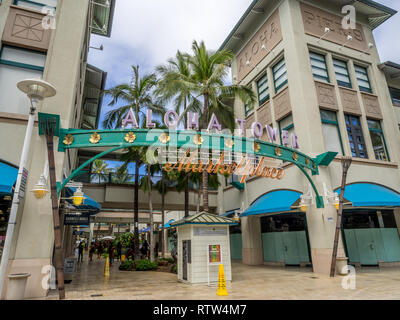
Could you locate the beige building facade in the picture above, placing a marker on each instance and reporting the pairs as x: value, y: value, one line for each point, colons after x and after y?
x: 327, y: 85
x: 47, y: 39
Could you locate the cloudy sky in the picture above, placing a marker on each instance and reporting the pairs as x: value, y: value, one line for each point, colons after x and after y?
x: 149, y: 32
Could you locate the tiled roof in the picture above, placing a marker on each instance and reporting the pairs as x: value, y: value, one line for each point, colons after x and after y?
x: 204, y: 218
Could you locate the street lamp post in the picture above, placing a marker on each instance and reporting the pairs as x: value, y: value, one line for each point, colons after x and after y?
x: 346, y: 162
x: 48, y: 127
x: 36, y: 90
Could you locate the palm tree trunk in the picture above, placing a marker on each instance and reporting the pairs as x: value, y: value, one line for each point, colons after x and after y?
x: 187, y: 196
x: 151, y: 216
x: 205, y: 182
x: 136, y: 212
x: 162, y: 215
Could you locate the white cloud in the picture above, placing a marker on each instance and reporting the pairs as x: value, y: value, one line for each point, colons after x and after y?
x: 149, y: 32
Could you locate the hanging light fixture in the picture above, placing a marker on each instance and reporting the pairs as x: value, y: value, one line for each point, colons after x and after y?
x: 336, y: 202
x: 236, y: 217
x: 78, y: 197
x: 303, y: 205
x: 40, y: 189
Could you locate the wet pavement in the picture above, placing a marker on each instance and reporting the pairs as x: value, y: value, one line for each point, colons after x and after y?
x: 249, y: 282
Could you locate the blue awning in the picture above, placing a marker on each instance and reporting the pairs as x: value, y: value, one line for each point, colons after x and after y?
x: 370, y: 195
x: 275, y: 201
x: 89, y: 204
x: 144, y: 230
x: 8, y: 176
x: 168, y: 224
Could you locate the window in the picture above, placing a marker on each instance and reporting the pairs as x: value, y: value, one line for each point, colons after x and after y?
x: 280, y: 77
x: 363, y: 79
x: 318, y: 66
x: 395, y: 94
x: 15, y: 65
x: 263, y: 89
x: 286, y: 124
x: 330, y: 130
x: 378, y: 140
x: 356, y: 138
x: 342, y: 73
x: 247, y: 109
x: 36, y: 4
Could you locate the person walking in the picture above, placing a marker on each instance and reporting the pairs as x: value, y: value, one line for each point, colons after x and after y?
x: 91, y: 252
x: 145, y: 248
x: 80, y: 252
x: 111, y: 253
x: 100, y: 250
x: 119, y: 250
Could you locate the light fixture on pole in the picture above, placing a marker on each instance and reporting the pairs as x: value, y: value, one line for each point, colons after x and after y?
x: 306, y: 199
x: 40, y: 189
x: 331, y: 197
x: 36, y: 90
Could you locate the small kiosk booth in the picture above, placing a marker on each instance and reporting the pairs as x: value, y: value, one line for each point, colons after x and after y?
x: 203, y: 244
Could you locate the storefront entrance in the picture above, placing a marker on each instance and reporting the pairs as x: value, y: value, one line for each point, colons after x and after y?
x: 285, y: 239
x: 235, y: 237
x: 371, y: 236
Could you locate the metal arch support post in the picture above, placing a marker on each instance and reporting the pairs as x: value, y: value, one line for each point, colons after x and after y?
x: 77, y: 171
x: 318, y: 199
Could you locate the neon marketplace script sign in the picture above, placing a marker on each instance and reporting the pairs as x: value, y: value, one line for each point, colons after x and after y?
x: 225, y: 162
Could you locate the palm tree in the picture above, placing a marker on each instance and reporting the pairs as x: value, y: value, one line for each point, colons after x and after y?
x: 146, y: 186
x: 138, y: 95
x: 209, y: 71
x: 100, y: 169
x: 121, y: 175
x: 172, y: 86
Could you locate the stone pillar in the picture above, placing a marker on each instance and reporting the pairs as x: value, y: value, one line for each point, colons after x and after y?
x: 91, y: 228
x: 252, y: 251
x: 397, y: 218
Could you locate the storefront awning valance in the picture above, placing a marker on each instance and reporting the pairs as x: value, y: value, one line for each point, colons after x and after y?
x: 275, y: 201
x: 8, y: 176
x: 89, y: 205
x: 370, y: 195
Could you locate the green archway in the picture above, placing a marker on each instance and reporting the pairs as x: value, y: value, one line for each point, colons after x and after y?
x: 123, y: 138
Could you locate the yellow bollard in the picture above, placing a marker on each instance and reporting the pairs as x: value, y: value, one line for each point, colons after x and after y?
x: 221, y: 282
x: 107, y: 268
x: 123, y: 258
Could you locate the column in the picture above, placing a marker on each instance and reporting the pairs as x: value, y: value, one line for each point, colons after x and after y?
x: 252, y: 252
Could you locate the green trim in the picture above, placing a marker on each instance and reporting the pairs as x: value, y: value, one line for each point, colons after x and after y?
x: 20, y: 64
x: 79, y: 170
x: 380, y: 131
x: 335, y: 123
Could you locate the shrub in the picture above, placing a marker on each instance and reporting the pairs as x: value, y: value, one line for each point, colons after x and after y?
x: 169, y: 260
x: 127, y: 265
x: 144, y: 265
x: 175, y: 269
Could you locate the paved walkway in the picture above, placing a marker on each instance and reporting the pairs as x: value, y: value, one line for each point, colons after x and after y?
x: 249, y: 282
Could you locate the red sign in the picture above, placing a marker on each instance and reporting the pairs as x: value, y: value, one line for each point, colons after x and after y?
x: 214, y: 253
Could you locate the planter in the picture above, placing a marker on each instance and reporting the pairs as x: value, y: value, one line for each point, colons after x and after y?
x: 340, y: 264
x: 16, y: 286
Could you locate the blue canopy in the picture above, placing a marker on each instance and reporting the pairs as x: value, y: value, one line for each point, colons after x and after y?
x: 275, y: 201
x: 8, y: 176
x: 88, y: 204
x: 370, y: 195
x: 168, y: 224
x: 144, y: 230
